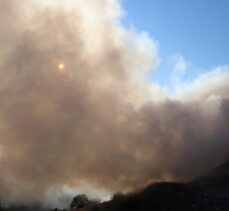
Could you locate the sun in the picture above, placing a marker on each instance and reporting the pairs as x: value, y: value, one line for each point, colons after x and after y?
x: 61, y: 66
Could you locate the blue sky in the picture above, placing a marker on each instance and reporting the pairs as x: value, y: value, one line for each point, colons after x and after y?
x: 196, y: 31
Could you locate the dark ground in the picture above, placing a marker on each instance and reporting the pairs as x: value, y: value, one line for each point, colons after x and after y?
x: 208, y: 193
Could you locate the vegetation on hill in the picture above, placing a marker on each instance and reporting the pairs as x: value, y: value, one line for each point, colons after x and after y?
x: 208, y: 193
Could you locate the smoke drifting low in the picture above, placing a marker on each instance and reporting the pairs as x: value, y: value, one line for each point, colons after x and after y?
x: 95, y: 121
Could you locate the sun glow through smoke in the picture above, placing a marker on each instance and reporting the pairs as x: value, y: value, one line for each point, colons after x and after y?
x: 61, y: 66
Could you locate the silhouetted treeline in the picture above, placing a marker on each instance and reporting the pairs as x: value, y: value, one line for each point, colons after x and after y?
x: 78, y: 202
x: 208, y: 193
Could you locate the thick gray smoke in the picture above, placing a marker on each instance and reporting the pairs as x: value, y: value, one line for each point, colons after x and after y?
x: 94, y: 120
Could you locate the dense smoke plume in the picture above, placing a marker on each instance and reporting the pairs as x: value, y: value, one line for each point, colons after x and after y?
x: 96, y: 121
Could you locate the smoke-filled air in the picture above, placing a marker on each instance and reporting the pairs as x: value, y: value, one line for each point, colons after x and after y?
x: 76, y: 108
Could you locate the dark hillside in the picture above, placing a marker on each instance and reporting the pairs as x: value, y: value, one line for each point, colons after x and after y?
x: 208, y: 193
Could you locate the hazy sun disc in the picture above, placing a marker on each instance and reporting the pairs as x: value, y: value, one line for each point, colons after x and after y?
x: 61, y: 66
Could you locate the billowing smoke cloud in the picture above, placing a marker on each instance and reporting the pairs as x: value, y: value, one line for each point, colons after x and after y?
x: 95, y: 121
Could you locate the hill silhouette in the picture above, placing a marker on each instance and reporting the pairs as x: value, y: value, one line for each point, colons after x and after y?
x: 207, y: 193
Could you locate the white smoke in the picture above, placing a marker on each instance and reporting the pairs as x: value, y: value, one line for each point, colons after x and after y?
x: 96, y: 121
